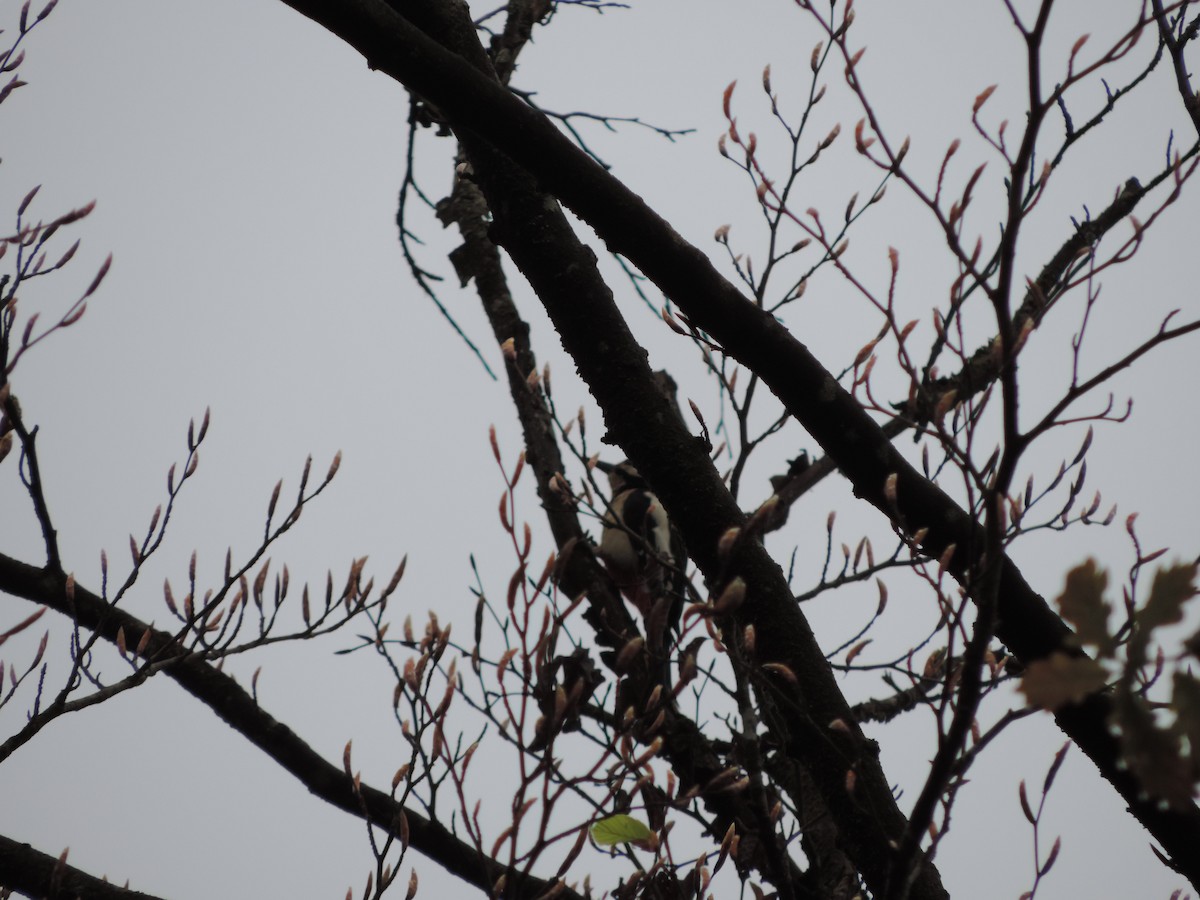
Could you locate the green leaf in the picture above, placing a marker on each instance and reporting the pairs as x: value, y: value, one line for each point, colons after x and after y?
x: 1083, y: 605
x: 621, y: 829
x: 1060, y: 679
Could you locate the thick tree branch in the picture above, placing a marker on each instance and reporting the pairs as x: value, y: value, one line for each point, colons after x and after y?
x: 690, y: 753
x: 225, y: 697
x: 692, y: 756
x: 476, y: 106
x: 36, y: 874
x: 564, y: 275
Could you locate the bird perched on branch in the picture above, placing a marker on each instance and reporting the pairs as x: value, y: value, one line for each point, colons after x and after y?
x: 644, y: 552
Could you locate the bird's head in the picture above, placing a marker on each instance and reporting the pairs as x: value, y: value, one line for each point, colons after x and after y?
x: 622, y: 476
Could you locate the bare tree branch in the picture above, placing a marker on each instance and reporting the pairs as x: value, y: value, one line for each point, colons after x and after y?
x: 37, y: 874
x: 225, y: 697
x: 475, y: 106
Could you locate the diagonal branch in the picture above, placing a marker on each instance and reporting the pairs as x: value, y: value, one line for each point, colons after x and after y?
x: 37, y: 874
x: 225, y: 697
x: 691, y: 754
x: 982, y: 367
x: 475, y: 106
x: 816, y: 728
x: 1175, y: 45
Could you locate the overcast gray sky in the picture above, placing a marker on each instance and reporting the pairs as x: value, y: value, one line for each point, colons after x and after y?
x: 246, y: 165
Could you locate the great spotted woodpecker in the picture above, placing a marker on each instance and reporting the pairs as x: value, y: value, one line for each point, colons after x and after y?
x: 644, y: 552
